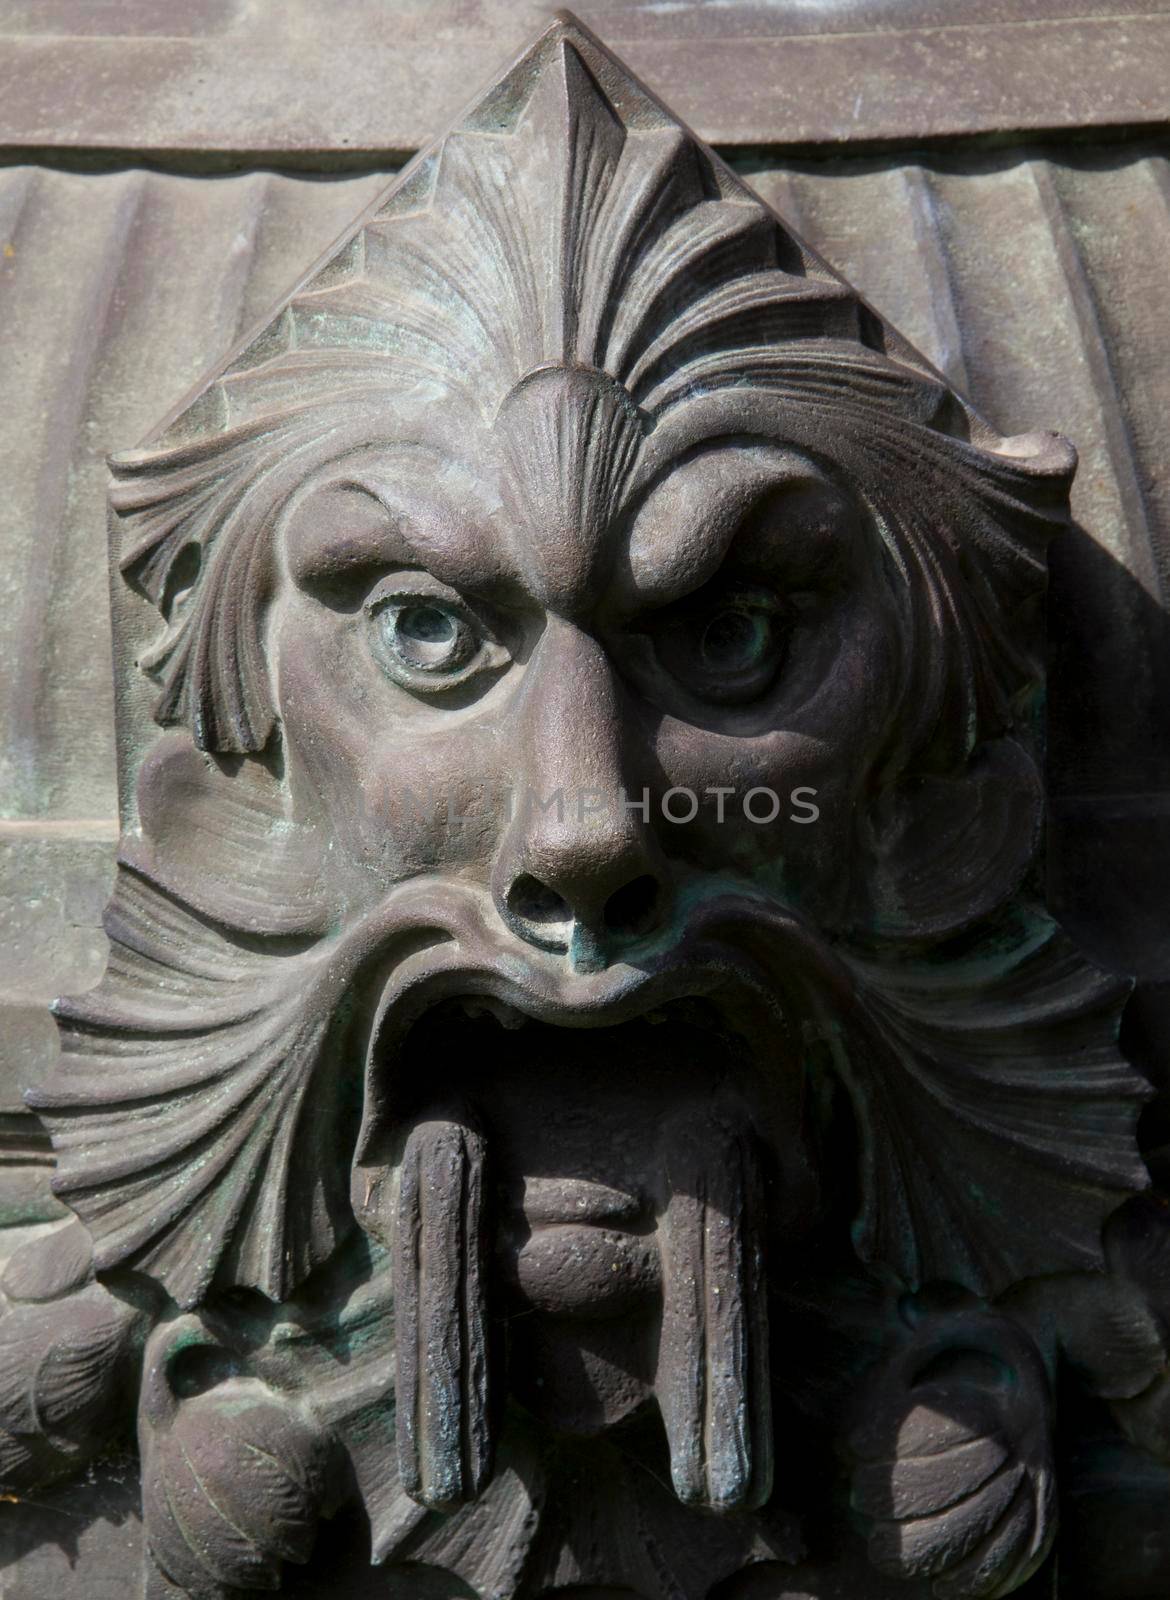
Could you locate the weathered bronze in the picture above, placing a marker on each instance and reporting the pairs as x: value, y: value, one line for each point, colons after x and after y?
x: 585, y: 1070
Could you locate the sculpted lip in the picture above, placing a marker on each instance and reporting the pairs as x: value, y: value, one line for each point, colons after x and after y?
x: 576, y: 1246
x: 475, y: 1053
x: 548, y: 1202
x: 549, y: 1152
x: 494, y: 987
x: 589, y: 1272
x: 743, y: 953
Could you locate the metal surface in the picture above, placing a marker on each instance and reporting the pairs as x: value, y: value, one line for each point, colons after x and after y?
x: 227, y: 80
x: 1033, y: 277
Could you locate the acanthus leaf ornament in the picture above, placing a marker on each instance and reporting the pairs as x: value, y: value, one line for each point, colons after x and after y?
x: 468, y: 1127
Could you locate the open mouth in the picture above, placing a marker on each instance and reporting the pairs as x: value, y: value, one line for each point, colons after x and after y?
x: 579, y: 1130
x: 572, y: 1115
x: 574, y: 1206
x: 584, y: 1178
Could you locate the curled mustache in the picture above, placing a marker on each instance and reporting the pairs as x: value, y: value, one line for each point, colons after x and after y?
x: 205, y: 1068
x: 209, y: 1065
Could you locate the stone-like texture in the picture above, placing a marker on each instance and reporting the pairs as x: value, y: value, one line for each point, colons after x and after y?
x: 898, y: 1070
x: 213, y: 78
x: 1037, y: 285
x: 135, y: 279
x: 81, y: 1542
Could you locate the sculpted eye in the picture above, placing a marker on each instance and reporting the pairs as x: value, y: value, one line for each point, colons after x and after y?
x: 726, y: 648
x: 427, y: 637
x: 735, y: 640
x: 427, y: 642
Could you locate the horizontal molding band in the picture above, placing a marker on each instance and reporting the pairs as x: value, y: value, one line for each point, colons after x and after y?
x: 377, y: 87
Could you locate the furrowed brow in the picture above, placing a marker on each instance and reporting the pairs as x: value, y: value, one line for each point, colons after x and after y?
x: 402, y: 512
x: 686, y: 524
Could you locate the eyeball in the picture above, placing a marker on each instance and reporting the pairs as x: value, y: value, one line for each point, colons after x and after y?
x: 426, y: 642
x: 726, y: 648
x: 737, y: 639
x: 426, y: 636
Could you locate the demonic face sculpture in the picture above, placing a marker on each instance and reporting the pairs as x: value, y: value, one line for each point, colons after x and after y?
x: 576, y: 944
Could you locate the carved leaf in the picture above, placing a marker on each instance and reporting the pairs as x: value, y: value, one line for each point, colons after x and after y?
x: 992, y: 1091
x: 46, y: 1268
x: 214, y: 501
x: 232, y: 1489
x: 196, y: 1135
x: 1101, y: 1323
x: 571, y: 223
x: 63, y: 1371
x: 55, y: 1361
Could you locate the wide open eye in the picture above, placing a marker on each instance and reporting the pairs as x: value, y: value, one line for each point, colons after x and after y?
x: 726, y: 647
x: 426, y: 636
x: 428, y: 642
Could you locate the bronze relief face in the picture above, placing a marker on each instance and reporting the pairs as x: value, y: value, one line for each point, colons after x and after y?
x: 583, y: 1047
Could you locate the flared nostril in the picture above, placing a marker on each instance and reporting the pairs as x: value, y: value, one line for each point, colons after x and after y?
x: 534, y: 902
x: 550, y: 920
x: 633, y: 909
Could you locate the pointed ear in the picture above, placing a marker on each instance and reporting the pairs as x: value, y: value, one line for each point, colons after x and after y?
x: 940, y: 852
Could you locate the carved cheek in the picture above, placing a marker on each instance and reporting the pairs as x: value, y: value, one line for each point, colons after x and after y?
x: 406, y: 789
x: 816, y: 756
x: 753, y: 825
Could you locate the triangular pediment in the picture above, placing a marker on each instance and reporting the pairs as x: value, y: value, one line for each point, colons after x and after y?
x: 566, y: 215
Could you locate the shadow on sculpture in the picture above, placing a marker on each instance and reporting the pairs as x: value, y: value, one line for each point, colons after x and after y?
x: 584, y: 1070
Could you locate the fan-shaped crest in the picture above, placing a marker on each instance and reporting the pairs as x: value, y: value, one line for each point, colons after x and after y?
x: 567, y: 220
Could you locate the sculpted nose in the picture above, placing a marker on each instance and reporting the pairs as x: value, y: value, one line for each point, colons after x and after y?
x: 578, y: 869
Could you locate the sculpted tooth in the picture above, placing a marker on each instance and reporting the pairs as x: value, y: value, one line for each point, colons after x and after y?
x: 713, y: 1380
x: 441, y: 1346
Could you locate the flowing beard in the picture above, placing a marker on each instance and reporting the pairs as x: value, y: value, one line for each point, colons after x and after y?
x: 202, y: 1126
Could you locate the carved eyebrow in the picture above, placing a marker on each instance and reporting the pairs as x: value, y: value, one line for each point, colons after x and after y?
x: 688, y: 522
x: 398, y: 513
x: 340, y: 531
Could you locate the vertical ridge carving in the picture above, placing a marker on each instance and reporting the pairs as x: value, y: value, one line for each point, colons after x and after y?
x: 441, y: 1333
x: 713, y: 1363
